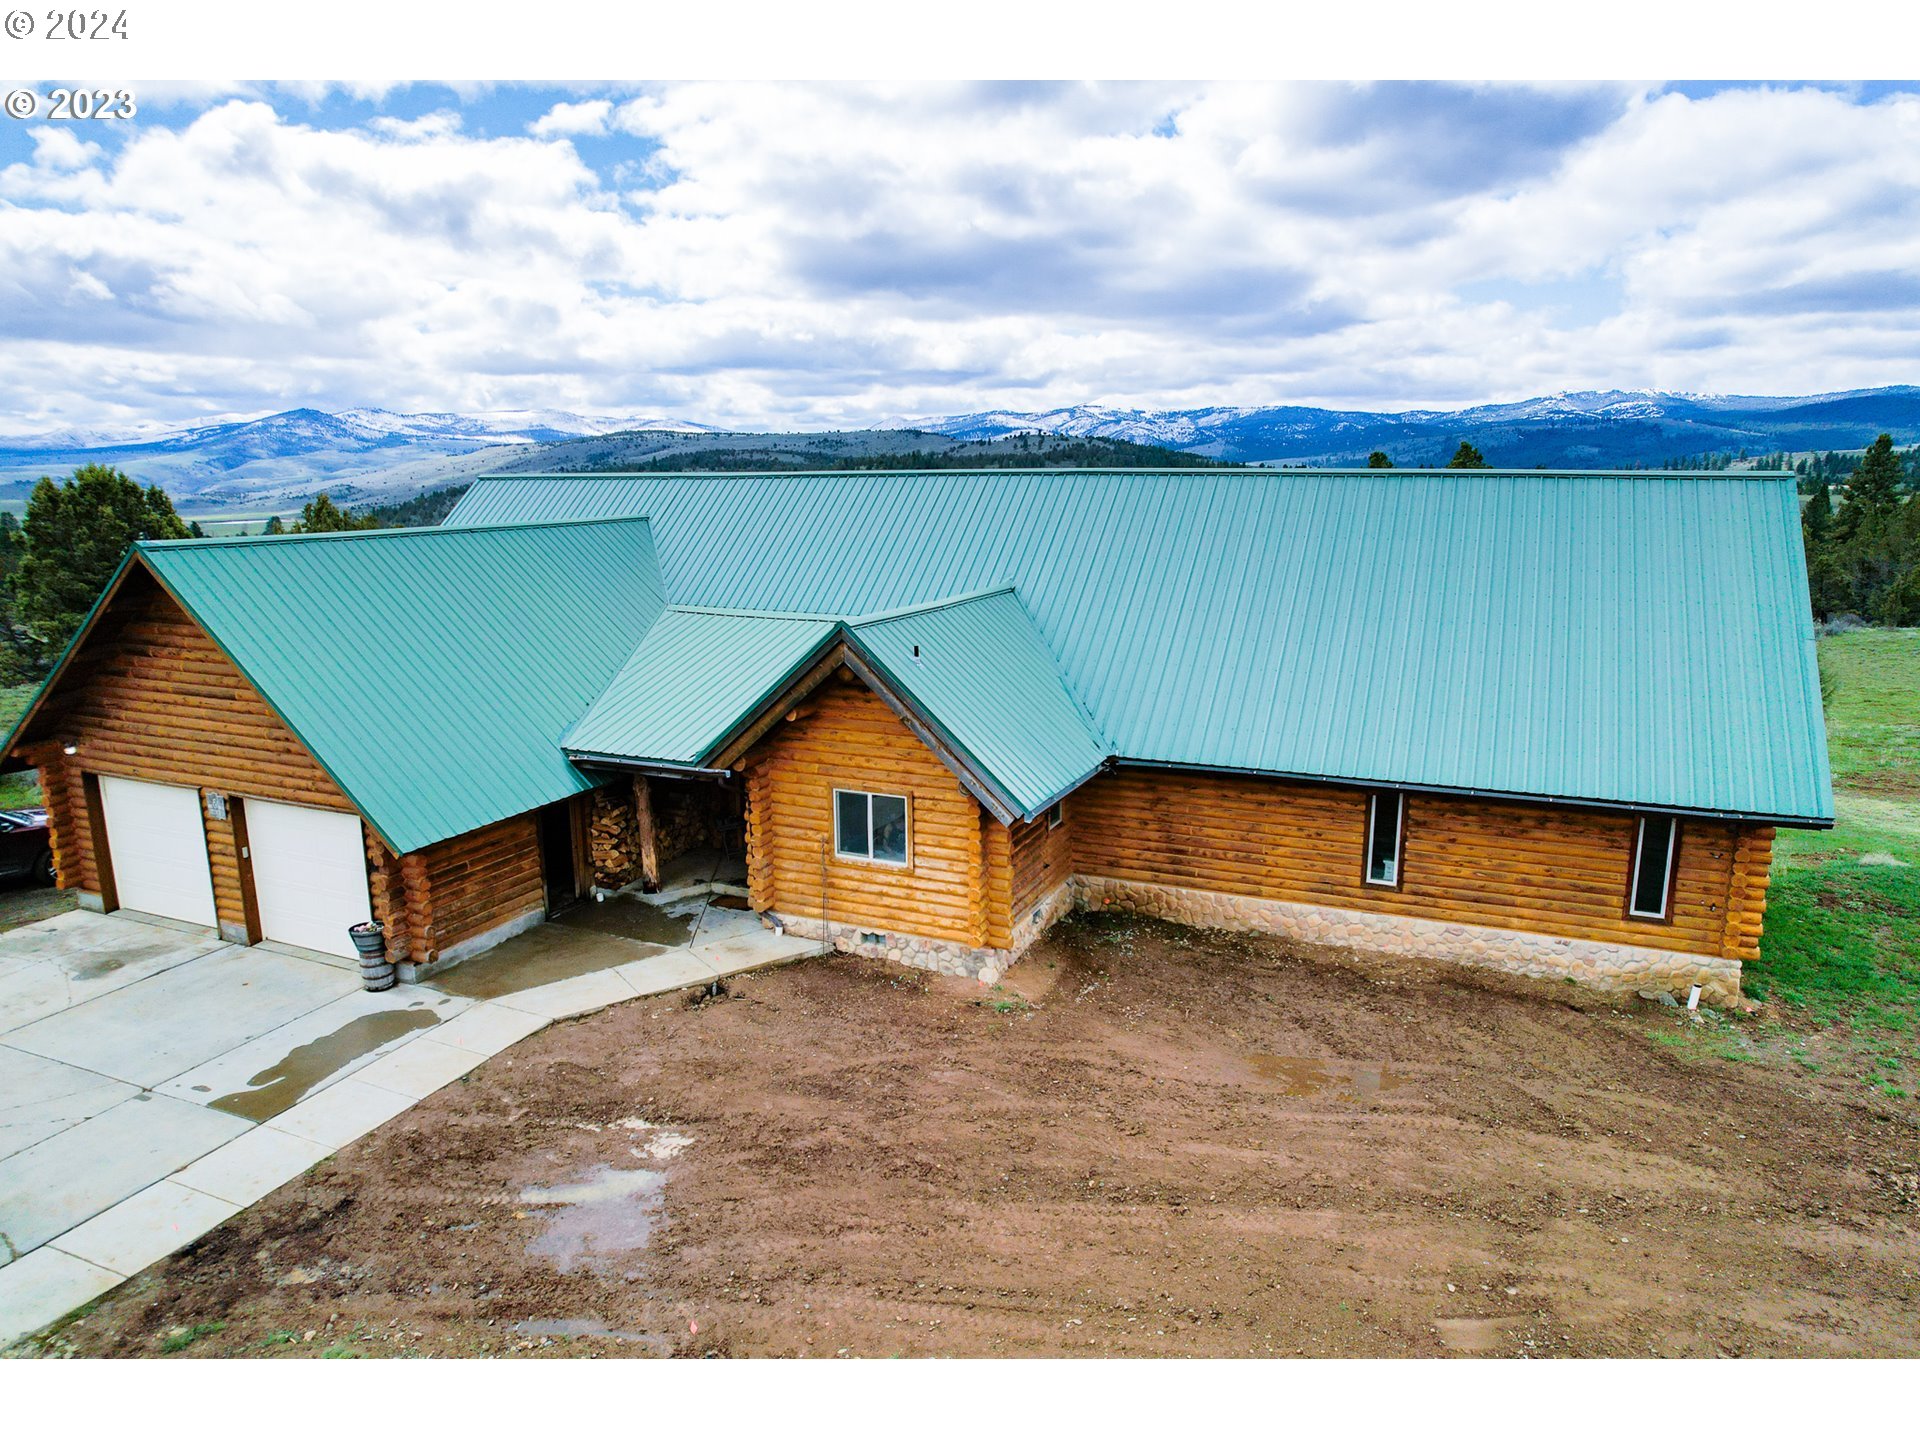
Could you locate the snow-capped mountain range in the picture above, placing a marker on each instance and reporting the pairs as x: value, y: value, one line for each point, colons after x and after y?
x: 296, y: 452
x: 1586, y: 428
x: 368, y: 452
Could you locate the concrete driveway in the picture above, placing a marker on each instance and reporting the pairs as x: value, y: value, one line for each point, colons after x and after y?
x: 155, y: 1080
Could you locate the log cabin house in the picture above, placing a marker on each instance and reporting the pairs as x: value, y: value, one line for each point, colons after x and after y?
x: 1541, y: 722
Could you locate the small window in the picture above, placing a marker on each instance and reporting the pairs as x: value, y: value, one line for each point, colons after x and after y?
x: 870, y: 827
x: 1056, y: 815
x: 1386, y: 814
x: 1656, y: 840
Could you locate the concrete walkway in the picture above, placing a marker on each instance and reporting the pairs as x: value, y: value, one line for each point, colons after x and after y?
x: 155, y: 1081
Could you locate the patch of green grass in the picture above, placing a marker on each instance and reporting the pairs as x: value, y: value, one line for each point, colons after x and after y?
x: 22, y: 788
x: 1842, y: 940
x: 179, y: 1340
x: 1873, y: 722
x: 341, y: 1352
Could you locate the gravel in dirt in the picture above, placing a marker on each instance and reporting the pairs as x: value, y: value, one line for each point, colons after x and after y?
x: 1146, y: 1141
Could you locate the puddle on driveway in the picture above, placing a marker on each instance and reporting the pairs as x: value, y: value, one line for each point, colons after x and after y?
x: 558, y: 950
x: 286, y: 1080
x: 730, y: 902
x: 632, y: 918
x: 1299, y: 1075
x: 602, y: 1214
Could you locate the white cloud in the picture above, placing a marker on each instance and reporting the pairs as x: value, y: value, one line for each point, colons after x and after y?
x: 585, y: 117
x: 822, y: 255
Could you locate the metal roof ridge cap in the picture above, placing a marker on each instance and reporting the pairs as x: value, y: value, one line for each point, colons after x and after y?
x: 795, y: 615
x: 946, y: 602
x: 393, y: 532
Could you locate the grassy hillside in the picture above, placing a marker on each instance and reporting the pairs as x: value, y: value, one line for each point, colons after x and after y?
x: 1842, y: 942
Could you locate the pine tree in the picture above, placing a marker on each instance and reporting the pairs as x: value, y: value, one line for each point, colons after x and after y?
x: 76, y: 533
x: 1873, y: 490
x: 320, y: 516
x: 1379, y: 460
x: 273, y: 526
x: 1817, y: 518
x: 1467, y: 458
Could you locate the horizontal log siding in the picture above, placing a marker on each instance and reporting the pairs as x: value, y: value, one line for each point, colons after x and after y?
x: 154, y: 699
x: 846, y: 738
x: 1518, y: 867
x: 1042, y: 860
x: 470, y: 884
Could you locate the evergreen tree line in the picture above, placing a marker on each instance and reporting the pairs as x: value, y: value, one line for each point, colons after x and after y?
x: 1863, y: 544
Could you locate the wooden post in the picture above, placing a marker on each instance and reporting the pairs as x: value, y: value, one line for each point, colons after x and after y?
x: 243, y: 861
x: 649, y: 846
x: 102, y: 853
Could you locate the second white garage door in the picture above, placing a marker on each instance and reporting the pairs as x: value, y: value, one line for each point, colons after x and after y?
x: 158, y: 849
x: 309, y: 874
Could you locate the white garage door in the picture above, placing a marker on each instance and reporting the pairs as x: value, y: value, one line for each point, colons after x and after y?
x: 158, y: 849
x: 309, y: 874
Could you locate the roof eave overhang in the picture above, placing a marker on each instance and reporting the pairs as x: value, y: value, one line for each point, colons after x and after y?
x: 1582, y: 802
x: 634, y: 765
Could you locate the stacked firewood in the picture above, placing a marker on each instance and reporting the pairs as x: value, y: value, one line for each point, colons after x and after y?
x: 613, y: 838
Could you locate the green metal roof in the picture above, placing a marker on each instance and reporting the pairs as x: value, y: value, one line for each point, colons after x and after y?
x: 695, y: 676
x: 431, y: 672
x: 1632, y: 639
x: 977, y: 667
x: 973, y: 666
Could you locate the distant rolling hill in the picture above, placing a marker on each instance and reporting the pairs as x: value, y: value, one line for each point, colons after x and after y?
x: 369, y: 456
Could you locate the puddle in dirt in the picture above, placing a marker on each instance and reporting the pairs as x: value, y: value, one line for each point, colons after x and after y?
x: 1299, y: 1075
x: 632, y: 918
x: 588, y: 1329
x: 286, y: 1080
x: 603, y: 1214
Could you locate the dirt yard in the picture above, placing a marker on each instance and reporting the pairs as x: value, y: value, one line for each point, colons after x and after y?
x: 1149, y: 1141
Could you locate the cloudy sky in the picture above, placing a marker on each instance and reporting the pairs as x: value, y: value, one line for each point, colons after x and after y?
x: 811, y: 256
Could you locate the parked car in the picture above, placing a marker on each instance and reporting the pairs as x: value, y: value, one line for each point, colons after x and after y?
x: 25, y: 846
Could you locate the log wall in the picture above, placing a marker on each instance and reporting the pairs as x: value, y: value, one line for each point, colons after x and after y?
x: 1550, y: 871
x: 151, y: 697
x: 473, y: 883
x: 846, y: 738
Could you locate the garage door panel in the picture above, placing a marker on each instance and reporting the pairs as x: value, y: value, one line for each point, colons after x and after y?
x: 157, y: 845
x: 309, y: 874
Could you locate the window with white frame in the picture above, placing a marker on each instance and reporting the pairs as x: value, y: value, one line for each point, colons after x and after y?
x: 1056, y: 815
x: 1386, y: 826
x: 1656, y: 841
x: 870, y: 826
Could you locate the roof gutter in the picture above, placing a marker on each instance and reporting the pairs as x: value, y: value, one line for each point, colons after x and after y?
x: 663, y: 769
